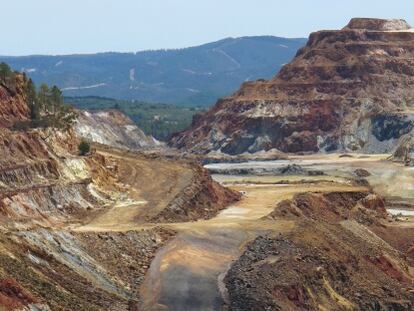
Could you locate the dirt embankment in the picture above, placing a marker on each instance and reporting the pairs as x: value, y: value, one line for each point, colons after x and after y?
x: 364, y: 207
x: 202, y: 198
x: 160, y: 190
x: 333, y: 260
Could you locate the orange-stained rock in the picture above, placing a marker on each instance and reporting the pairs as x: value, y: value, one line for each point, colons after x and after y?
x: 349, y: 89
x: 13, y: 105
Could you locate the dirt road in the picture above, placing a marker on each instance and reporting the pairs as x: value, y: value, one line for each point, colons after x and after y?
x: 188, y: 271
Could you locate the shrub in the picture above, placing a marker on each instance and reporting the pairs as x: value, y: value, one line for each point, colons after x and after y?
x: 22, y: 126
x: 84, y: 147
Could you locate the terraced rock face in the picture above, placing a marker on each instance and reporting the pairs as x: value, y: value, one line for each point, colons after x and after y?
x: 47, y: 190
x: 349, y: 89
x: 113, y: 128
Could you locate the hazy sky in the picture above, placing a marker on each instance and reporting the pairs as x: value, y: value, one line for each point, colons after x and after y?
x: 88, y: 26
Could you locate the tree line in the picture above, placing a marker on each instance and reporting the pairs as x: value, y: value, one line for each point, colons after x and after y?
x: 46, y: 104
x: 47, y: 108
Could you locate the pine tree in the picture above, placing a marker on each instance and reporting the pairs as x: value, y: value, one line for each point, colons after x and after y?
x: 7, y: 77
x: 56, y: 99
x: 5, y: 72
x: 32, y: 100
x: 84, y: 147
x: 44, y: 97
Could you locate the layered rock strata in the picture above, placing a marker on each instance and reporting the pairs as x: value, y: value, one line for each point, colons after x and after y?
x: 349, y: 89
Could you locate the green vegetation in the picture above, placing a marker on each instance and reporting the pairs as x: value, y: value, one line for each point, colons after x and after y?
x: 5, y: 72
x: 46, y: 108
x: 32, y: 100
x: 7, y: 77
x: 158, y: 120
x: 84, y: 147
x: 195, y: 76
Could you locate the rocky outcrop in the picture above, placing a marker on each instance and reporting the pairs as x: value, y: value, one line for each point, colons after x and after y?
x: 363, y: 207
x: 377, y: 24
x: 349, y: 89
x: 333, y: 260
x: 405, y: 150
x: 43, y: 181
x: 113, y: 128
x: 12, y: 103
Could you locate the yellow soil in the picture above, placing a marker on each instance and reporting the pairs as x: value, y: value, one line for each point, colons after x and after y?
x: 151, y: 183
x: 257, y: 202
x: 163, y: 179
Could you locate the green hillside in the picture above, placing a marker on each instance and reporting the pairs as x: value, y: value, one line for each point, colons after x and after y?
x: 192, y: 76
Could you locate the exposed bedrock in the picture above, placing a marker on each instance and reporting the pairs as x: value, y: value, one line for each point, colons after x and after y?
x: 378, y: 24
x: 405, y: 150
x: 47, y: 190
x: 341, y: 256
x: 349, y: 89
x: 112, y: 128
x: 58, y: 270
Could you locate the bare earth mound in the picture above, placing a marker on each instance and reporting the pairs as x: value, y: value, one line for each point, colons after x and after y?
x: 332, y: 261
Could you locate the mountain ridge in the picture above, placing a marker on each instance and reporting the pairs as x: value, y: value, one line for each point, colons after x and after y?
x: 194, y: 75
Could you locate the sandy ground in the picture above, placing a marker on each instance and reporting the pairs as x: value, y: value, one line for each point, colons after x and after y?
x: 153, y: 183
x: 188, y: 271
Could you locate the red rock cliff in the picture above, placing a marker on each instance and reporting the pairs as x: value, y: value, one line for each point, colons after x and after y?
x: 12, y: 103
x: 346, y: 89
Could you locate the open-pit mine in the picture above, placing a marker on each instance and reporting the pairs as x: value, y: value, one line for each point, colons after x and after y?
x: 293, y: 194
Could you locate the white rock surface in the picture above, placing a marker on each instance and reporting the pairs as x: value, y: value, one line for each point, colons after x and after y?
x: 112, y: 128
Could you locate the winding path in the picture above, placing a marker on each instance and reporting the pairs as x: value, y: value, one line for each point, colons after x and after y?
x: 188, y: 271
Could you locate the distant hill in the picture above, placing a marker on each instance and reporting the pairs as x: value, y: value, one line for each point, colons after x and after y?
x: 196, y: 76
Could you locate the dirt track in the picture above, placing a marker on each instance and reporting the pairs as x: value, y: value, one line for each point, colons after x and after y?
x: 188, y: 269
x: 152, y: 184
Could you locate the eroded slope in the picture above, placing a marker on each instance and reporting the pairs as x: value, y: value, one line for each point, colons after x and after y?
x: 346, y: 89
x: 113, y: 128
x: 47, y: 189
x: 333, y: 260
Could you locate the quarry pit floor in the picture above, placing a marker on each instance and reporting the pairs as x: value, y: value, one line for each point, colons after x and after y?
x: 189, y: 270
